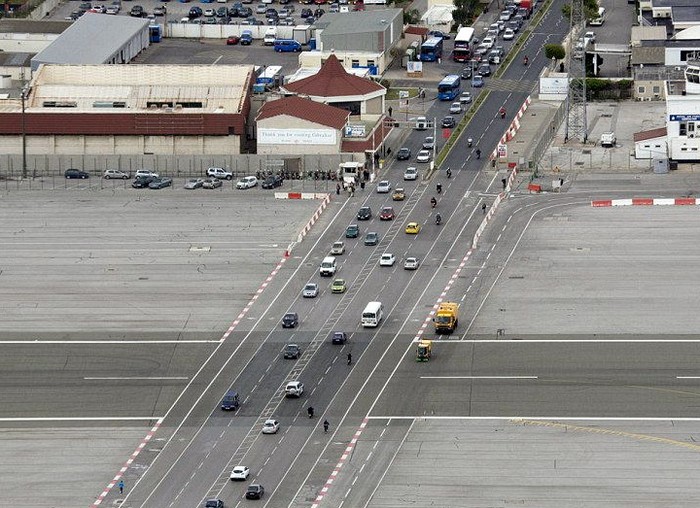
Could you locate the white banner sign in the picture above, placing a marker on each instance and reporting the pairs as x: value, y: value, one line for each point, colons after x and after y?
x: 554, y: 86
x: 297, y: 136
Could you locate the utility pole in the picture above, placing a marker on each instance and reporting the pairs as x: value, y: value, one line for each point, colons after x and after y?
x: 576, y: 120
x: 24, y: 132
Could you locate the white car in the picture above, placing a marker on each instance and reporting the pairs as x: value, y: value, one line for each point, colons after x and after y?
x: 294, y: 389
x: 488, y: 42
x: 247, y: 182
x: 423, y: 156
x: 508, y: 35
x: 410, y: 263
x: 465, y: 98
x: 387, y: 260
x: 146, y: 172
x: 220, y: 173
x: 310, y: 290
x: 455, y: 108
x: 338, y: 249
x: 384, y: 187
x: 115, y: 173
x: 429, y: 143
x: 209, y: 12
x: 589, y: 37
x: 270, y: 426
x: 240, y: 473
x: 410, y: 174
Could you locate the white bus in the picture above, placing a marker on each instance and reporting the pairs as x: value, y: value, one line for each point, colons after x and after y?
x: 372, y: 314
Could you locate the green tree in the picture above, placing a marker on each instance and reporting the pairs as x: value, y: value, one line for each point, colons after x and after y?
x: 589, y: 6
x: 464, y: 11
x: 556, y: 51
x: 411, y: 17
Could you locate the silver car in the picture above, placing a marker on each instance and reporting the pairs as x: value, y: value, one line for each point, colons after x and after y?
x: 384, y: 187
x: 310, y: 290
x: 194, y: 183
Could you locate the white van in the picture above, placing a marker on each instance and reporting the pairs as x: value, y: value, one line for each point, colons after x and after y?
x: 328, y: 267
x: 270, y: 36
x: 372, y: 315
x: 600, y: 19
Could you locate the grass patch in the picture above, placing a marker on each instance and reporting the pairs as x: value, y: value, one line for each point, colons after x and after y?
x: 392, y: 94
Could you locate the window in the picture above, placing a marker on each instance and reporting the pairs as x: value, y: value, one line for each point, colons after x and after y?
x: 683, y: 128
x: 656, y: 89
x: 641, y: 89
x: 355, y: 63
x: 370, y: 63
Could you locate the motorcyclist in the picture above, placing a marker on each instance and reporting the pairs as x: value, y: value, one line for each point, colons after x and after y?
x: 502, y: 112
x: 438, y: 187
x: 478, y: 153
x: 310, y: 411
x: 526, y: 60
x: 469, y: 142
x: 433, y: 202
x: 438, y: 219
x: 448, y: 172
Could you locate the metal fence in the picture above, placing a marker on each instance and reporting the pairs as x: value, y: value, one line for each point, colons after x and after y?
x: 546, y: 135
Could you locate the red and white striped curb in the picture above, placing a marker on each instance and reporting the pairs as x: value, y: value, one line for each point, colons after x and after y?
x: 315, y: 216
x: 416, y: 338
x: 494, y: 206
x: 514, y: 126
x: 336, y: 470
x: 128, y: 463
x: 646, y: 202
x: 153, y: 430
x: 300, y: 195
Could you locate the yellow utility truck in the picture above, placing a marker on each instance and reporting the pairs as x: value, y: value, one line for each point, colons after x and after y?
x: 447, y: 317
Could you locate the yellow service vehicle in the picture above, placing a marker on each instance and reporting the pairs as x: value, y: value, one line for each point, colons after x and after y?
x: 447, y: 317
x: 424, y: 350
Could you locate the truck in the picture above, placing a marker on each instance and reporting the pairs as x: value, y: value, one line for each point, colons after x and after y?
x: 526, y: 6
x: 447, y: 317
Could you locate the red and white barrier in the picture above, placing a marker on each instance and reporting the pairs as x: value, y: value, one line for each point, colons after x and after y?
x: 514, y: 126
x: 317, y: 214
x: 494, y: 206
x: 602, y: 203
x: 300, y: 195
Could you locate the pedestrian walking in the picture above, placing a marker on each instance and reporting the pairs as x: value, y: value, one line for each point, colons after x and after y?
x: 504, y: 181
x: 362, y: 185
x: 325, y: 425
x: 352, y: 190
x: 121, y: 486
x: 390, y: 110
x: 349, y: 358
x: 337, y: 189
x: 483, y: 208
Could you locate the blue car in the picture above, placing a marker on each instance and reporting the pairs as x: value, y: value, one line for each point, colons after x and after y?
x: 477, y: 81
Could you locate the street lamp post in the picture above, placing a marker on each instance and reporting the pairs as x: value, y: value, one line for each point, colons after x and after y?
x: 24, y: 133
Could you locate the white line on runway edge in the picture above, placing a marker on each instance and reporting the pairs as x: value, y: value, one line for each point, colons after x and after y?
x: 479, y: 377
x: 82, y: 419
x: 134, y: 378
x: 543, y: 418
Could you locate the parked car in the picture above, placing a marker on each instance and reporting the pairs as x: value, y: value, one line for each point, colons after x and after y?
x: 272, y: 182
x: 291, y: 352
x: 137, y: 12
x: 246, y: 37
x: 290, y: 320
x: 160, y: 183
x: 403, y: 154
x: 212, y: 183
x: 247, y: 182
x: 141, y: 182
x: 240, y: 473
x: 115, y: 173
x: 310, y: 290
x: 146, y: 172
x: 254, y: 491
x: 76, y: 173
x: 220, y: 173
x: 233, y: 40
x: 160, y: 10
x: 270, y: 426
x: 194, y: 183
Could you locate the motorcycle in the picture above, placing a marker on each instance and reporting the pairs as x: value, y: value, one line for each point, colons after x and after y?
x: 469, y: 142
x: 433, y: 202
x: 438, y: 187
x: 502, y: 112
x: 526, y: 60
x: 448, y: 172
x: 438, y: 220
x: 478, y: 153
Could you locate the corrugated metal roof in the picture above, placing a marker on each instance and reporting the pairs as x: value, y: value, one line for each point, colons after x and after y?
x: 92, y: 39
x: 215, y: 87
x: 358, y: 22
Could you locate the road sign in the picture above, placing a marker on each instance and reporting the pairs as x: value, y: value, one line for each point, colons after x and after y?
x: 502, y: 151
x: 403, y: 94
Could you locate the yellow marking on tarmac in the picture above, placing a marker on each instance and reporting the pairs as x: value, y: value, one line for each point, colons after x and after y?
x: 610, y: 432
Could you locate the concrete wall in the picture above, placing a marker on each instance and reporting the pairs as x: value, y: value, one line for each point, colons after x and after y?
x: 16, y: 73
x: 192, y: 31
x: 647, y: 90
x: 25, y: 42
x: 170, y: 165
x: 43, y: 9
x: 122, y: 145
x: 374, y: 106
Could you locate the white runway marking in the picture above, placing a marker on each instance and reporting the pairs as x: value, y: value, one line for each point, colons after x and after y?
x: 479, y: 377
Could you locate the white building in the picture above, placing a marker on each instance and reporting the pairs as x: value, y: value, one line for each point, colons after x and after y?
x: 683, y: 116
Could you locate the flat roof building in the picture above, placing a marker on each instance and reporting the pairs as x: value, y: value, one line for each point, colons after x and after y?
x: 97, y: 39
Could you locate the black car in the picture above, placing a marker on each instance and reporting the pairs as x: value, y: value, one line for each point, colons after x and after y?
x: 160, y: 183
x: 141, y: 182
x: 272, y: 182
x: 466, y: 73
x: 292, y: 352
x: 364, y: 213
x: 76, y: 173
x: 484, y: 70
x: 338, y: 338
x: 137, y: 12
x: 319, y: 12
x: 403, y: 154
x: 195, y: 12
x: 254, y: 491
x: 306, y: 13
x: 290, y: 320
x: 449, y: 122
x: 221, y: 12
x: 214, y: 503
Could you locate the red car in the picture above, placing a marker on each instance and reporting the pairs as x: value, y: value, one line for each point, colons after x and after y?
x: 233, y: 40
x: 387, y: 213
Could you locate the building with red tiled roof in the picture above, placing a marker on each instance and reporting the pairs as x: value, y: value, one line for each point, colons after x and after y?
x: 651, y: 144
x: 297, y: 125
